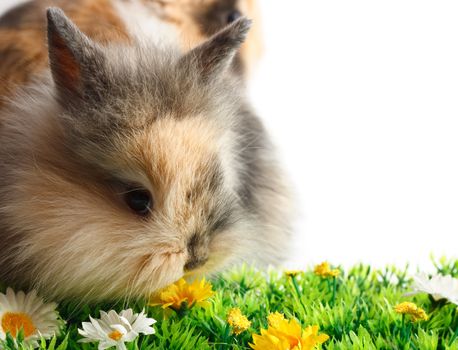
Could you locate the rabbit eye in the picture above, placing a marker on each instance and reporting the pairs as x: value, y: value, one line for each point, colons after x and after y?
x: 233, y: 16
x: 140, y: 201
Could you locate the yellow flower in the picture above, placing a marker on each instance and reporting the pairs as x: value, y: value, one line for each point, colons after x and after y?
x: 324, y: 270
x: 275, y: 318
x: 238, y: 321
x: 285, y: 334
x: 408, y: 308
x: 266, y: 341
x: 292, y: 273
x: 181, y: 292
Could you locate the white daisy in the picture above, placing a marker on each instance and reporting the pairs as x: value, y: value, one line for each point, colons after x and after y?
x: 29, y: 313
x: 113, y: 329
x: 438, y: 286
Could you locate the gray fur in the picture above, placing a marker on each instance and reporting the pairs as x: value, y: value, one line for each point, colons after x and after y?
x: 216, y: 54
x: 143, y: 82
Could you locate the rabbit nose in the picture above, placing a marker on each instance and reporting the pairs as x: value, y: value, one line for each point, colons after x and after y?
x: 197, y: 252
x: 192, y: 264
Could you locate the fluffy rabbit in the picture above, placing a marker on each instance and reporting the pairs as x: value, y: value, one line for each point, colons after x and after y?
x: 128, y: 166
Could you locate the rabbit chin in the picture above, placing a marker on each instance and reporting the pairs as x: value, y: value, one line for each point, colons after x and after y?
x: 128, y: 278
x: 154, y: 272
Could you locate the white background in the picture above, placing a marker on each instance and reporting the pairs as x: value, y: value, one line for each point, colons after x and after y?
x: 362, y: 100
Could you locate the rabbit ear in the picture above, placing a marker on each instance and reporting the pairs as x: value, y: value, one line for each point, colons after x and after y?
x: 72, y: 55
x: 215, y: 55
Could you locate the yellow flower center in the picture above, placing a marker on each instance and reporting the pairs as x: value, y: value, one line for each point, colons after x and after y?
x: 13, y: 322
x: 115, y: 335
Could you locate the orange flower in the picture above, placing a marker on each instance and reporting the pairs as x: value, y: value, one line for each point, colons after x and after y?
x: 408, y: 308
x: 237, y: 321
x: 285, y: 334
x: 292, y: 273
x: 324, y: 270
x: 175, y: 295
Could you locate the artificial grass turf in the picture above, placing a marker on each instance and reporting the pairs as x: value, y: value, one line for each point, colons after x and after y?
x: 356, y: 312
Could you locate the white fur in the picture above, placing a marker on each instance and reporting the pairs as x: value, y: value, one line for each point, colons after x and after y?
x: 141, y: 22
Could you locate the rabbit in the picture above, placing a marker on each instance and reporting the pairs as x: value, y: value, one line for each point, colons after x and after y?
x: 126, y: 167
x: 190, y: 22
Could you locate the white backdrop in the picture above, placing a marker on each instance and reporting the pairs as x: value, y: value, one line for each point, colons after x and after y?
x: 362, y: 99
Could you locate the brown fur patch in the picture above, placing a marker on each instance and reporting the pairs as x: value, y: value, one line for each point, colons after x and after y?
x: 22, y: 54
x: 23, y: 50
x: 252, y: 48
x: 196, y: 20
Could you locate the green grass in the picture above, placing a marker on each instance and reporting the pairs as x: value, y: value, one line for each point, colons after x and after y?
x: 358, y: 316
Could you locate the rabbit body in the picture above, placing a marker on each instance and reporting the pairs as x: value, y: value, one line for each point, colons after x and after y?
x: 127, y: 165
